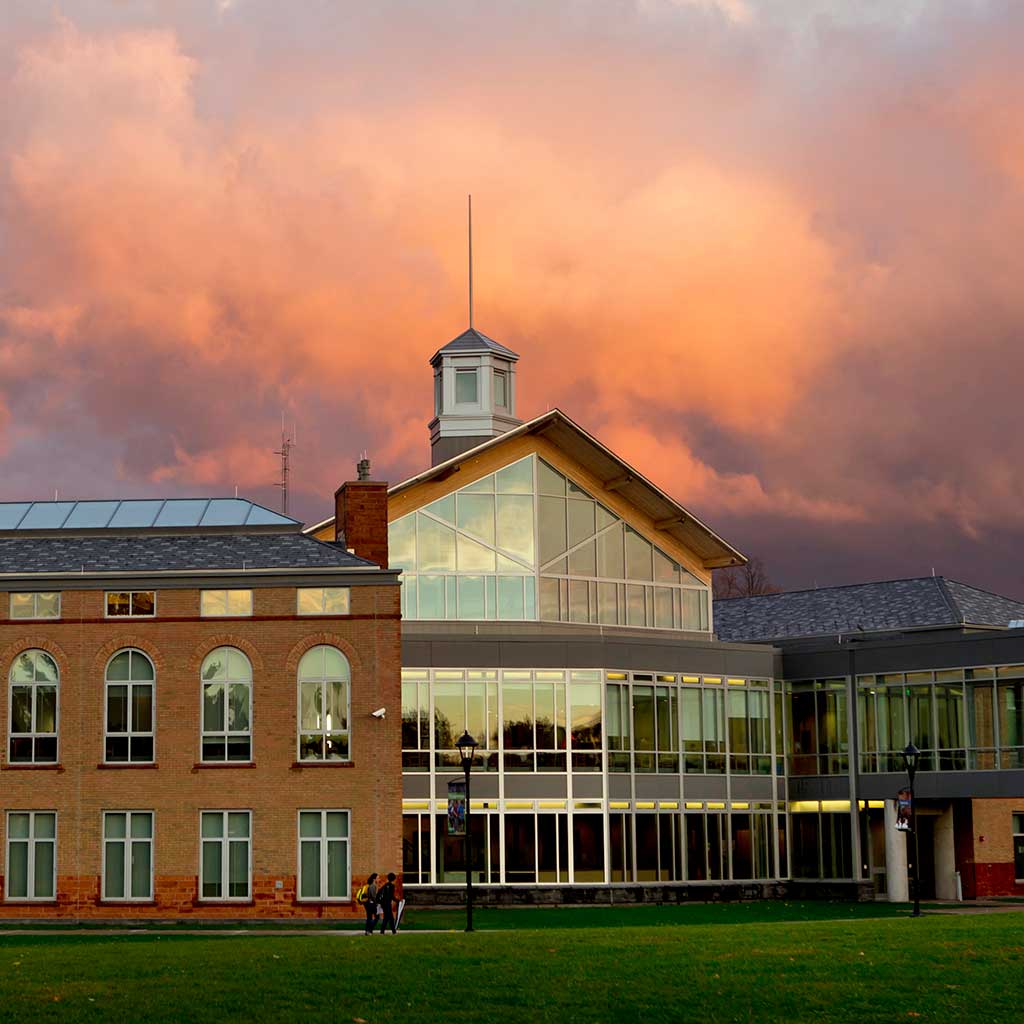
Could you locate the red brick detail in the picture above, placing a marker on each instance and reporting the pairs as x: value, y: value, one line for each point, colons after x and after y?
x: 361, y: 519
x: 996, y: 879
x: 210, y: 644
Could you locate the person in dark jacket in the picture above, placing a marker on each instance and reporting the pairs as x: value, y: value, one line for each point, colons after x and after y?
x: 369, y: 901
x: 386, y: 899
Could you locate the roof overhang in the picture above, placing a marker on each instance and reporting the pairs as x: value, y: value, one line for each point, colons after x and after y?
x: 668, y: 515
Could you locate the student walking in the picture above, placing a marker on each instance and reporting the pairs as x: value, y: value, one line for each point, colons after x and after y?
x: 386, y: 897
x: 367, y: 896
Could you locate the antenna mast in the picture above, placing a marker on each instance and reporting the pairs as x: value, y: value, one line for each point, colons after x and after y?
x: 470, y: 262
x: 287, y: 444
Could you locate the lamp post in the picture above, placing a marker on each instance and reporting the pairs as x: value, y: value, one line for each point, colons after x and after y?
x: 910, y: 758
x: 466, y: 747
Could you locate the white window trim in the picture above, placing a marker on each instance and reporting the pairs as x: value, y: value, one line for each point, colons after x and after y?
x: 35, y: 605
x: 128, y: 842
x: 322, y: 732
x: 107, y: 683
x: 220, y: 615
x: 466, y: 370
x: 323, y: 601
x: 34, y: 734
x: 31, y: 860
x: 225, y: 856
x: 226, y: 733
x: 131, y: 593
x: 323, y: 841
x: 503, y: 376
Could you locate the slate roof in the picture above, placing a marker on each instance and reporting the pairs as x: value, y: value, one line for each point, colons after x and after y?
x: 926, y: 602
x: 471, y: 340
x: 180, y: 552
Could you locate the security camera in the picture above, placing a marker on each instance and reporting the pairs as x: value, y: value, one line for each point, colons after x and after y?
x: 380, y: 712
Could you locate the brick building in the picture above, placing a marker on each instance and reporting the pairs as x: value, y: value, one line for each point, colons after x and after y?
x: 189, y: 723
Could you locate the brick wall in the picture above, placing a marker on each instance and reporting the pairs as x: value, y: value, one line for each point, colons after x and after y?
x: 993, y: 867
x: 274, y: 788
x: 361, y: 519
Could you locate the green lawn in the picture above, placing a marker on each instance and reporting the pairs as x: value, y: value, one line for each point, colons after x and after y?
x: 939, y: 969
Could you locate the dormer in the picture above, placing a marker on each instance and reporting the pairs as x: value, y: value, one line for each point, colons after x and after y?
x: 474, y: 394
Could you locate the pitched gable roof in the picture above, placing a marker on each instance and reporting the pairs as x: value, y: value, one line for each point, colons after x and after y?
x: 929, y: 602
x: 669, y: 516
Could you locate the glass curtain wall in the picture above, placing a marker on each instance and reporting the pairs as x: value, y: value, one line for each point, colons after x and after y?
x: 584, y: 722
x: 819, y: 730
x: 528, y: 543
x: 935, y: 711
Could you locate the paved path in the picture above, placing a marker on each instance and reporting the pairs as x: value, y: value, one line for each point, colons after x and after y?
x: 208, y: 932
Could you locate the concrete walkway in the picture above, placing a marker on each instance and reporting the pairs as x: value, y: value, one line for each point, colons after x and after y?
x: 210, y: 932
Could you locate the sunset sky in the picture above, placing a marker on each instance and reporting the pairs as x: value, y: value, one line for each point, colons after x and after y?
x: 770, y: 251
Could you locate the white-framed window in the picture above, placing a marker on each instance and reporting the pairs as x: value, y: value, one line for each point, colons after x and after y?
x: 324, y: 868
x: 323, y: 600
x: 226, y: 681
x: 324, y: 694
x: 35, y: 605
x: 129, y: 735
x: 33, y: 709
x: 225, y: 869
x: 225, y: 603
x: 131, y: 604
x: 127, y: 855
x: 466, y: 390
x: 31, y: 855
x: 500, y: 389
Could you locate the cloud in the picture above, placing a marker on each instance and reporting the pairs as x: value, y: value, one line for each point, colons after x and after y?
x: 771, y: 257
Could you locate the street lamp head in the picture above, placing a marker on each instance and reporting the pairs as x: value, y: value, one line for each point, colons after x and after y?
x: 910, y: 755
x: 466, y: 747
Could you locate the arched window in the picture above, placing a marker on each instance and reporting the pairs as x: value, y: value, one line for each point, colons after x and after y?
x: 324, y: 698
x: 226, y: 680
x: 130, y: 678
x: 33, y: 709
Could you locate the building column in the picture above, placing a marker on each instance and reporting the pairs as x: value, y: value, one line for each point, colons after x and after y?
x: 897, y: 886
x: 945, y: 856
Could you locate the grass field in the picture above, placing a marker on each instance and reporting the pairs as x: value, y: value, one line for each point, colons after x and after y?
x: 934, y: 969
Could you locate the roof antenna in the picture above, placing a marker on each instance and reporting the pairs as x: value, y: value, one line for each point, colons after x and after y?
x: 236, y: 490
x: 470, y: 262
x: 287, y: 444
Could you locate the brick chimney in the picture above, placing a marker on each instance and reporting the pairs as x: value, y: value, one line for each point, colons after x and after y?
x: 361, y: 516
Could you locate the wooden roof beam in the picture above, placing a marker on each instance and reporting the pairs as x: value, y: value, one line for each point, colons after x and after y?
x: 618, y: 482
x: 666, y: 524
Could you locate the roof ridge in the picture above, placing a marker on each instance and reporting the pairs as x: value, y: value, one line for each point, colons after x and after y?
x: 941, y: 584
x: 982, y: 590
x: 837, y: 586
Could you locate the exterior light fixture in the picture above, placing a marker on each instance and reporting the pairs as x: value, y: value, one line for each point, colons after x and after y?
x: 466, y: 747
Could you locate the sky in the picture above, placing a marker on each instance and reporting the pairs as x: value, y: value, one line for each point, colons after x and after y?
x: 767, y: 250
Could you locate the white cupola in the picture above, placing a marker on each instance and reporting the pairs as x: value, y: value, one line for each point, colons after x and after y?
x: 474, y: 394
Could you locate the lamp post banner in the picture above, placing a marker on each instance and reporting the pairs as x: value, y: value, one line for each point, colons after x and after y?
x: 457, y: 808
x: 904, y: 807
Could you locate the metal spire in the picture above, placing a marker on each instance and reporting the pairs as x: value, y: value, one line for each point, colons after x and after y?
x: 470, y: 262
